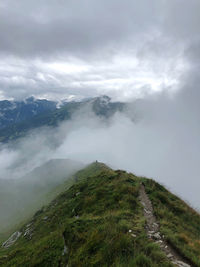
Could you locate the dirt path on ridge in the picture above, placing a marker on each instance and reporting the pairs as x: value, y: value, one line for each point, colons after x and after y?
x: 152, y: 228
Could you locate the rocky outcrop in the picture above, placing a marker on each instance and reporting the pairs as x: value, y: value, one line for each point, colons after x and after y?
x: 11, y: 240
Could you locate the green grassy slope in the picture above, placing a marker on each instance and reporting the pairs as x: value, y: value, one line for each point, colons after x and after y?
x: 21, y: 198
x: 98, y: 221
x: 178, y: 222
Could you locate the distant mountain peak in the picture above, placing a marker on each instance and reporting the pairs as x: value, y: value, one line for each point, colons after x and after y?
x: 104, y: 99
x: 29, y: 99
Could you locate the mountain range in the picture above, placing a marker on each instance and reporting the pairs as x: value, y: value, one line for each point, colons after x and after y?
x: 19, y: 117
x: 13, y: 112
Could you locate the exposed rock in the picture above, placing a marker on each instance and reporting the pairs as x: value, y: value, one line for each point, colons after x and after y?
x: 147, y: 211
x: 159, y: 242
x: 181, y: 264
x: 151, y: 232
x: 28, y: 233
x: 11, y: 240
x: 155, y: 224
x: 156, y: 236
x: 169, y: 255
x: 64, y: 250
x: 133, y: 235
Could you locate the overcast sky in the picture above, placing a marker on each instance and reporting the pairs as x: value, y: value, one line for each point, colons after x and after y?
x: 126, y: 49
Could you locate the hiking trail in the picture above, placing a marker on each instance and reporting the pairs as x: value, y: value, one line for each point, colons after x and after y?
x: 152, y: 227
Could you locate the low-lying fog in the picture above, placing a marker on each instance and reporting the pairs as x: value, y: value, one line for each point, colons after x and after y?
x: 157, y: 137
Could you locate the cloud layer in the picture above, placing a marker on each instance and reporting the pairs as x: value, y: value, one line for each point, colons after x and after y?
x: 57, y: 49
x: 162, y: 142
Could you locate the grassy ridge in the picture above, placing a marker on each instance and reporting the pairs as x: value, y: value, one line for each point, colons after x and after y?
x: 89, y: 225
x: 178, y: 222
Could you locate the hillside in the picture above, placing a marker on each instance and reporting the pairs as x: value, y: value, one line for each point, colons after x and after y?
x: 20, y: 198
x: 104, y: 219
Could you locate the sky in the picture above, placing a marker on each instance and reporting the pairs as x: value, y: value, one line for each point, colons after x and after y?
x: 60, y: 49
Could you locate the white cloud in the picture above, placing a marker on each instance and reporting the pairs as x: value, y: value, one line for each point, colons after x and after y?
x: 72, y: 48
x: 123, y: 75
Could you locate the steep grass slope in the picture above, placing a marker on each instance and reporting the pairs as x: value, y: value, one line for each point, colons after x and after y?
x: 98, y: 221
x: 179, y: 223
x: 21, y: 198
